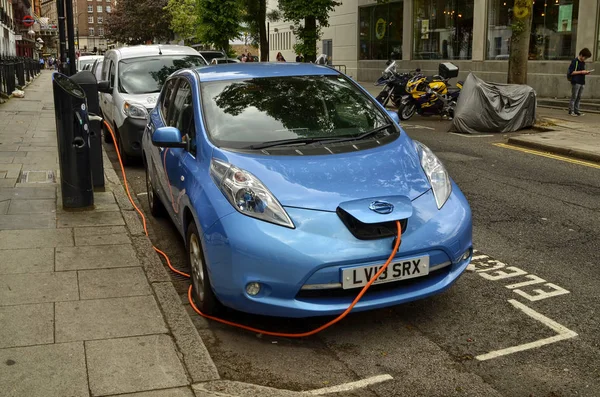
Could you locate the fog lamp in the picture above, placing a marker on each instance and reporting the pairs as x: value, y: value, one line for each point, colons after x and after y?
x: 252, y: 289
x: 466, y: 255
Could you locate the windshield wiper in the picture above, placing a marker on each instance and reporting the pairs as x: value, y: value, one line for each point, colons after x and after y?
x: 285, y: 142
x: 363, y: 135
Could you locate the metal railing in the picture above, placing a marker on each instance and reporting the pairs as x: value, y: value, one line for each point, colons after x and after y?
x: 15, y: 72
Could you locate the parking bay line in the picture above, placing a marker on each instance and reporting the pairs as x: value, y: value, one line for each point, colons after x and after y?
x: 548, y: 155
x: 350, y: 385
x: 563, y: 333
x: 471, y: 135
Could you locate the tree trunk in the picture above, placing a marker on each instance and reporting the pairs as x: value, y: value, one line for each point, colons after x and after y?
x: 519, y: 42
x: 310, y: 38
x: 262, y: 30
x: 225, y: 47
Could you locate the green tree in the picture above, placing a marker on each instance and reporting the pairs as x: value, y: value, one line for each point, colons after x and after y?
x: 184, y: 19
x: 519, y: 41
x: 219, y: 21
x: 305, y: 15
x: 138, y: 22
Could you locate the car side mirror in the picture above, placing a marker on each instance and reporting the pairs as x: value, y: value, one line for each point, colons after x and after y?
x: 168, y: 137
x: 104, y: 87
x: 394, y: 115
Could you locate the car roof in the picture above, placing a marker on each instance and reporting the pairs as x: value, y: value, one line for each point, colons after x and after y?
x: 90, y: 57
x: 233, y: 71
x: 153, y: 49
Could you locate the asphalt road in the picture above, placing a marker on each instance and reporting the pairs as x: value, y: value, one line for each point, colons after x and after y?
x: 523, y: 321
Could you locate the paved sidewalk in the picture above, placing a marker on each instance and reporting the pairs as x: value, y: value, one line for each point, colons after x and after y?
x: 86, y: 308
x: 572, y: 136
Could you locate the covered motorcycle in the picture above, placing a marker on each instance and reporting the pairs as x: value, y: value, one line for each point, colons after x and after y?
x: 493, y: 107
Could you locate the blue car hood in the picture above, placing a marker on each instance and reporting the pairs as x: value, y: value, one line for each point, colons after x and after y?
x: 324, y: 182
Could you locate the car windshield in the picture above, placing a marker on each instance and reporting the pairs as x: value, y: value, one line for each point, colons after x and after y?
x: 243, y: 113
x: 84, y: 63
x: 148, y: 74
x: 209, y: 56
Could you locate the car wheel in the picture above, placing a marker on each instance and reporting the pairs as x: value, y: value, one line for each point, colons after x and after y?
x: 156, y: 206
x: 202, y: 292
x: 406, y: 110
x: 125, y: 158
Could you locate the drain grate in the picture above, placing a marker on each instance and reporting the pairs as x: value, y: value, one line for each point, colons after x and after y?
x: 37, y: 177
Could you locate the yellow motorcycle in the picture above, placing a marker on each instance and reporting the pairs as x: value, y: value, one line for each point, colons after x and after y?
x: 431, y: 95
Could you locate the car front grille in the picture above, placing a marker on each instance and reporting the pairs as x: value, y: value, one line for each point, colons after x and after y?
x: 370, y: 231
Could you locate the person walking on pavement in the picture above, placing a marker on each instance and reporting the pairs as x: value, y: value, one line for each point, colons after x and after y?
x: 577, y: 75
x: 280, y: 57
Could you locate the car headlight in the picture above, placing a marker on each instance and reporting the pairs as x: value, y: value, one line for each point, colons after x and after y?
x: 436, y: 173
x: 247, y: 193
x: 135, y: 110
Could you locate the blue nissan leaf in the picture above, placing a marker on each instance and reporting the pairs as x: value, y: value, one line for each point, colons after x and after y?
x: 286, y: 182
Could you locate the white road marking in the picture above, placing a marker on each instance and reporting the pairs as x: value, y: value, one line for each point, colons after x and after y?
x: 416, y: 127
x: 350, y: 386
x: 534, y: 280
x: 541, y: 294
x: 562, y: 331
x: 471, y: 136
x: 142, y: 194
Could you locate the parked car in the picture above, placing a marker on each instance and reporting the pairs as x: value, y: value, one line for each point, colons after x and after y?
x: 220, y: 61
x: 132, y: 78
x: 209, y: 55
x: 97, y: 68
x: 286, y: 182
x: 86, y: 60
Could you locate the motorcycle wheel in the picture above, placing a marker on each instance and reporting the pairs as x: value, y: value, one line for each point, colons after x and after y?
x: 406, y: 110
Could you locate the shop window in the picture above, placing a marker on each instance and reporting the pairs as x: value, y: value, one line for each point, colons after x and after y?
x: 380, y: 30
x: 443, y: 29
x: 553, y: 29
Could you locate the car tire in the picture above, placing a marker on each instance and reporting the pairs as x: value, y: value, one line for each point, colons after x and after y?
x: 406, y: 110
x: 125, y: 158
x: 202, y: 292
x: 157, y: 208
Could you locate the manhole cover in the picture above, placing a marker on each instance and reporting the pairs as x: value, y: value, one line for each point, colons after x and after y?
x: 37, y: 177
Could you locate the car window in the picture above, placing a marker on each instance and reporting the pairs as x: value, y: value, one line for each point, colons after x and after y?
x: 184, y: 109
x: 167, y: 99
x: 111, y: 74
x: 147, y: 74
x: 241, y: 113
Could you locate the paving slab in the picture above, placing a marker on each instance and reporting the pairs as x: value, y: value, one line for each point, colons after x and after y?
x: 103, y: 235
x: 8, y: 182
x: 129, y: 365
x: 95, y: 257
x: 108, y: 318
x: 42, y: 206
x: 26, y: 325
x: 29, y: 221
x: 34, y: 260
x: 35, y: 238
x: 4, y: 206
x: 113, y: 283
x: 89, y: 218
x: 19, y: 289
x: 55, y: 370
x: 178, y: 392
x: 45, y: 192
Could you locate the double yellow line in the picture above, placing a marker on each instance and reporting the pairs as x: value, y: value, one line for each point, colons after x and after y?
x: 549, y: 155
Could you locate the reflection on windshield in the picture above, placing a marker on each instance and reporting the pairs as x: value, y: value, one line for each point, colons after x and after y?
x: 148, y: 74
x: 245, y: 112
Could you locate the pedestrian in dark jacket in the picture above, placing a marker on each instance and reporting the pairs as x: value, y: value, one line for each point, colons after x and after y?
x: 577, y: 74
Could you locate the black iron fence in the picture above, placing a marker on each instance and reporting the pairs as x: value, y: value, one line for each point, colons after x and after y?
x: 15, y: 72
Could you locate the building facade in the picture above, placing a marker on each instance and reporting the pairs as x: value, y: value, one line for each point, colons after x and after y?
x: 7, y: 29
x: 473, y: 34
x: 90, y: 24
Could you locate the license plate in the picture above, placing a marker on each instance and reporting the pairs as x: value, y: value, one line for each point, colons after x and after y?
x: 353, y: 277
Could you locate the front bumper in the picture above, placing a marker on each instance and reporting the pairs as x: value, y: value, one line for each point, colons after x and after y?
x: 131, y: 132
x: 240, y: 250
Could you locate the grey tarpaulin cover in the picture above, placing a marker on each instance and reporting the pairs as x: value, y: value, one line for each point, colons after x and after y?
x: 493, y: 107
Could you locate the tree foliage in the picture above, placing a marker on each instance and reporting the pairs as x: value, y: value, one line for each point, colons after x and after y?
x: 139, y: 21
x: 308, y: 17
x: 219, y: 21
x: 184, y: 19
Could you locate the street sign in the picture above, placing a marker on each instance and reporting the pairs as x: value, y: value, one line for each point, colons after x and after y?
x: 28, y: 20
x: 18, y: 37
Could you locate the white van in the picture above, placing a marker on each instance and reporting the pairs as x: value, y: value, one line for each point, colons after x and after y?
x: 132, y: 78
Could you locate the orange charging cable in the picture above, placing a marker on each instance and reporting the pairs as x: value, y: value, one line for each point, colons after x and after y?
x: 231, y: 323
